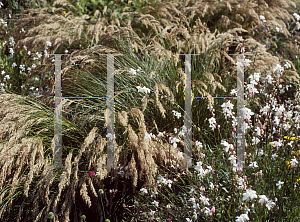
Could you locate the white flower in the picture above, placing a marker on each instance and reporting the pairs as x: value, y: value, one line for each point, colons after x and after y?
x: 255, y: 140
x: 204, y: 200
x: 169, y: 182
x: 250, y: 194
x: 211, y: 185
x: 296, y: 16
x: 180, y: 155
x: 3, y: 23
x: 279, y: 184
x: 242, y: 218
x: 227, y: 145
x: 261, y: 17
x: 294, y: 161
x: 3, y: 72
x: 14, y: 64
x: 144, y: 89
x: 160, y: 134
x: 2, y: 84
x: 177, y: 114
x: 192, y: 199
x: 7, y: 77
x: 151, y: 213
x: 270, y: 204
x: 188, y: 220
x: 144, y: 190
x: 255, y: 76
x: 25, y: 47
x: 287, y: 65
x: 247, y: 113
x: 212, y: 123
x: 253, y: 164
x: 227, y: 108
x: 278, y: 69
x: 174, y: 141
x: 11, y: 51
x: 48, y: 43
x: 29, y: 52
x: 132, y: 71
x: 261, y: 153
x: 155, y: 203
x: 199, y: 144
x: 247, y: 62
x: 262, y: 199
x: 269, y: 78
x: 277, y: 29
x: 233, y: 92
x: 38, y: 54
x: 66, y: 51
x: 232, y: 159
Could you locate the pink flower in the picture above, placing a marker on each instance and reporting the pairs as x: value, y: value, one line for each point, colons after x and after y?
x: 91, y: 173
x: 169, y: 219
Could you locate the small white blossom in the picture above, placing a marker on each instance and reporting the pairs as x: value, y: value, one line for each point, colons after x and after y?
x: 155, y: 203
x: 270, y: 204
x: 177, y: 114
x: 48, y: 43
x: 143, y: 90
x: 261, y: 17
x: 144, y: 190
x: 279, y: 184
x: 296, y: 16
x: 250, y: 194
x: 287, y: 65
x: 132, y: 71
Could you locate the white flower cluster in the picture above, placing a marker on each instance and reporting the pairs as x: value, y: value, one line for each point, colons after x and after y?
x: 133, y: 71
x: 201, y: 171
x: 212, y: 123
x: 227, y: 109
x: 11, y: 41
x: 22, y: 67
x: 296, y: 16
x: 278, y: 69
x: 226, y: 145
x: 48, y: 43
x: 164, y: 181
x: 294, y: 162
x: 195, y: 205
x: 177, y: 114
x: 143, y: 90
x: 3, y: 22
x: 287, y: 65
x: 144, y: 191
x: 174, y: 141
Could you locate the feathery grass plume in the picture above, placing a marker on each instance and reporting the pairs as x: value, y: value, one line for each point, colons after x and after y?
x: 131, y: 170
x: 123, y: 118
x: 84, y: 194
x: 133, y: 138
x: 158, y: 103
x: 64, y: 179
